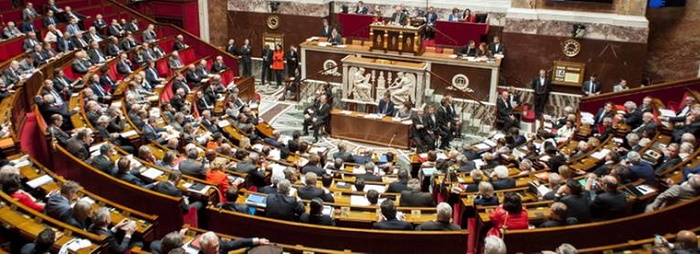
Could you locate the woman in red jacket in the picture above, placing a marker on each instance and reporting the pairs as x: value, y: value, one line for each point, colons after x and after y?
x: 278, y: 63
x: 510, y: 215
x: 11, y: 186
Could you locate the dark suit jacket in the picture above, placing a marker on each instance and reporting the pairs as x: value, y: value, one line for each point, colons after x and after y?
x: 393, y: 224
x: 58, y: 207
x: 113, y: 49
x: 313, y: 168
x: 78, y: 149
x: 317, y: 219
x: 110, y: 243
x: 283, y: 207
x: 667, y: 163
x: 345, y: 156
x: 437, y: 226
x: 233, y: 206
x: 501, y: 184
x: 104, y: 164
x: 311, y: 192
x: 634, y: 119
x: 504, y: 109
x: 217, y: 67
x: 539, y: 88
x: 386, y: 108
x: 326, y: 31
x: 501, y: 48
x: 370, y: 177
x: 416, y: 199
x: 397, y: 186
x: 402, y: 19
x: 467, y: 51
x: 59, y: 134
x: 193, y: 168
x: 124, y: 67
x: 150, y: 133
x: 245, y: 167
x: 609, y: 205
x: 602, y: 114
x: 578, y: 206
x: 586, y: 87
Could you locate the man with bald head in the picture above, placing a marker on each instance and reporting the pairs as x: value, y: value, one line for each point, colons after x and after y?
x: 686, y: 242
x: 677, y: 193
x: 611, y: 203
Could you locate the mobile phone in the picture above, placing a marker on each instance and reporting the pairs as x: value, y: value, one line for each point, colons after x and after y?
x: 658, y: 238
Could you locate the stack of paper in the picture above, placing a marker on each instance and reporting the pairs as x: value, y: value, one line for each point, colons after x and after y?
x: 39, y: 181
x: 152, y: 173
x: 224, y: 123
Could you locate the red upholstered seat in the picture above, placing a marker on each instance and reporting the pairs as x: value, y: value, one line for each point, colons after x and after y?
x: 68, y: 70
x: 187, y: 56
x: 227, y: 76
x: 162, y: 67
x: 191, y: 217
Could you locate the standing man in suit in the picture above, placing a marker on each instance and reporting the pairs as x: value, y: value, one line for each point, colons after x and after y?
x: 29, y: 12
x: 399, y: 17
x: 592, y: 86
x: 266, y: 75
x: 326, y: 29
x: 49, y: 19
x: 58, y: 204
x: 430, y: 19
x: 231, y: 47
x: 497, y: 47
x: 386, y: 106
x: 318, y: 118
x: 149, y: 35
x: 361, y: 9
x: 433, y: 127
x: 292, y: 58
x: 281, y: 206
x: 388, y: 220
x: 413, y: 197
x: 542, y: 85
x: 245, y: 52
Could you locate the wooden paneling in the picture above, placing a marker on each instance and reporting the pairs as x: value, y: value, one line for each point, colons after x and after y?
x: 252, y: 26
x: 610, y: 60
x: 479, y: 80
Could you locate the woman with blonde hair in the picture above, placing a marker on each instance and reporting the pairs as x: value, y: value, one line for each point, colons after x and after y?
x: 216, y: 175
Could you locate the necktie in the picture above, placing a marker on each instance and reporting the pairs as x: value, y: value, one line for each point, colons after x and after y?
x: 58, y: 98
x: 128, y: 68
x: 591, y: 87
x: 99, y: 89
x: 206, y: 105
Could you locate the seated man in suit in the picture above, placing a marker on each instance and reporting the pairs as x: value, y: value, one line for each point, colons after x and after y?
x: 318, y: 118
x: 310, y: 191
x: 389, y: 220
x: 231, y: 204
x: 126, y: 173
x: 191, y: 166
x: 469, y: 49
x: 335, y: 38
x: 505, y: 112
x: 218, y: 65
x: 174, y: 62
x: 413, y: 197
x: 647, y: 129
x: 675, y: 194
x: 611, y: 203
x: 54, y: 129
x: 153, y: 133
x: 369, y: 173
x: 343, y: 154
x: 169, y: 187
x: 281, y: 206
x: 211, y: 244
x: 500, y: 179
x: 670, y: 158
x: 386, y: 106
x: 592, y: 86
x: 313, y: 165
x: 632, y: 116
x: 58, y: 205
x: 315, y: 215
x: 103, y: 161
x: 101, y: 220
x: 78, y: 145
x: 401, y: 184
x: 444, y: 216
x: 43, y: 243
x: 399, y: 17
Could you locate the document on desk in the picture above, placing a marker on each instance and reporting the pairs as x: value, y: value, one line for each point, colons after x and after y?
x: 224, y: 123
x: 128, y: 134
x: 378, y: 188
x: 600, y: 154
x: 152, y: 173
x: 358, y: 200
x: 39, y: 181
x: 257, y: 147
x: 667, y: 112
x: 76, y: 244
x: 318, y: 149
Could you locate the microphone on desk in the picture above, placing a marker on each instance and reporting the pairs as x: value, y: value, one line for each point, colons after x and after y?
x: 392, y: 139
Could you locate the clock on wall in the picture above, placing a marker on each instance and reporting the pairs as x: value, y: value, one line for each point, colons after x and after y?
x: 273, y: 22
x: 571, y: 48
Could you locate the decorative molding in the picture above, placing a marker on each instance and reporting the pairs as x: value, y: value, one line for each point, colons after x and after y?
x: 578, y: 17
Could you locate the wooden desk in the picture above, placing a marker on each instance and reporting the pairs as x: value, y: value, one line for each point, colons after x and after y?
x: 382, y: 132
x: 402, y: 39
x: 482, y: 76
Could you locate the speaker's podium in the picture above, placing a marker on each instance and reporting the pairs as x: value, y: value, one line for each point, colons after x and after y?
x: 394, y: 38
